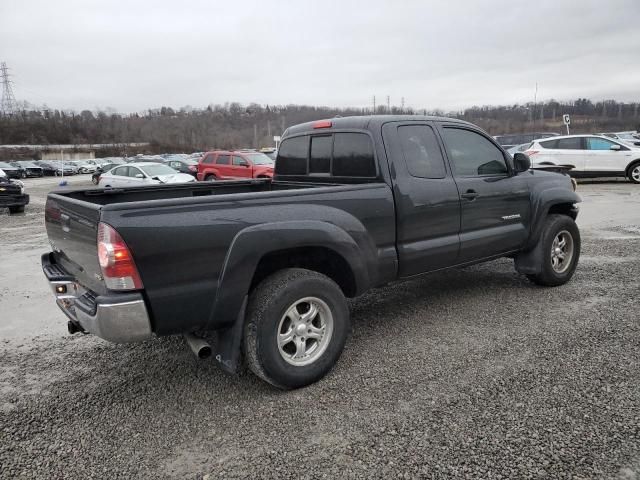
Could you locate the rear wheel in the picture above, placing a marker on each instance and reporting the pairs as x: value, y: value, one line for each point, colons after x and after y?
x: 210, y: 178
x: 634, y: 173
x: 560, y: 243
x: 297, y: 325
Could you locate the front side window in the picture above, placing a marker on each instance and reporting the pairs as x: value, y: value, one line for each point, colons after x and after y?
x: 472, y: 154
x: 133, y: 171
x: 223, y: 160
x: 594, y: 143
x: 122, y: 171
x: 292, y: 156
x: 207, y: 159
x: 421, y: 151
x: 353, y: 155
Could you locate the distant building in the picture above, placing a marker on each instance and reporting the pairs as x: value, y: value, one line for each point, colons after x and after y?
x: 68, y: 152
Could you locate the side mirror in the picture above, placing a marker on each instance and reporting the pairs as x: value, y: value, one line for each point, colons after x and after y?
x: 139, y: 175
x: 521, y: 162
x: 615, y: 147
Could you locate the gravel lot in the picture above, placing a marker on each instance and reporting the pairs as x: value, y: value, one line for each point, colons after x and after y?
x: 470, y: 373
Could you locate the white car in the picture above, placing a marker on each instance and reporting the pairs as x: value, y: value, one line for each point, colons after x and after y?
x: 142, y: 173
x: 591, y: 155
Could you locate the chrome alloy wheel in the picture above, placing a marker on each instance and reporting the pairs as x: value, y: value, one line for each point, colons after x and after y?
x: 305, y: 331
x: 562, y: 252
x: 635, y: 173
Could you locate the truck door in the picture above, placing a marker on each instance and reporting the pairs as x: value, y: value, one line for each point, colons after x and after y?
x: 494, y: 202
x: 427, y: 200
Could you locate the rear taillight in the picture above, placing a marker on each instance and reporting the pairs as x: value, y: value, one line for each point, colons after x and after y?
x: 531, y: 153
x: 118, y: 268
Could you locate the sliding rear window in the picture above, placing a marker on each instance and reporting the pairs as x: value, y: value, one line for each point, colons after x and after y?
x: 342, y: 154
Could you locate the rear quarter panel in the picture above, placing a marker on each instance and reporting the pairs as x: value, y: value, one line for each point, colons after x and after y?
x: 181, y: 250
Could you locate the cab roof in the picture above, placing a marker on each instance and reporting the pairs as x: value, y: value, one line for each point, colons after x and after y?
x: 365, y: 122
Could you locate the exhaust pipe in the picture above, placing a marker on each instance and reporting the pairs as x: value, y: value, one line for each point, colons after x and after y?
x: 198, y: 346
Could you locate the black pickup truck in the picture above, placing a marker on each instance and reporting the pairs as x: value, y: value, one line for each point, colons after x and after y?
x: 267, y: 265
x: 12, y: 194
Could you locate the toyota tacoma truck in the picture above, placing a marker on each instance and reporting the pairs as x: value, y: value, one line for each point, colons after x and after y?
x: 267, y: 265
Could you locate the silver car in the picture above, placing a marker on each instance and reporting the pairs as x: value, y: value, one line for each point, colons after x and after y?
x: 142, y: 173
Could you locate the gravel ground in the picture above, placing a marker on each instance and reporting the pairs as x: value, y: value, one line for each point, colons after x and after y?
x: 470, y: 373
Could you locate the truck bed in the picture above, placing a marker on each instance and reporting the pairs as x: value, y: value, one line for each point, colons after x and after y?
x: 100, y: 196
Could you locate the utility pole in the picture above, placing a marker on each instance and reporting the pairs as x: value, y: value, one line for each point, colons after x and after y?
x: 268, y: 128
x: 374, y: 104
x: 535, y: 103
x: 402, y: 105
x: 8, y: 104
x: 255, y: 135
x: 388, y: 105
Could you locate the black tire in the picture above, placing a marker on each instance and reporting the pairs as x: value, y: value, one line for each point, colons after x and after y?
x: 554, y: 226
x: 266, y: 309
x: 210, y: 178
x: 634, y: 170
x: 23, y: 174
x: 16, y: 209
x: 95, y: 180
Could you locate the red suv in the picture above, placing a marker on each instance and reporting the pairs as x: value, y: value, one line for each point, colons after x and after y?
x: 224, y: 165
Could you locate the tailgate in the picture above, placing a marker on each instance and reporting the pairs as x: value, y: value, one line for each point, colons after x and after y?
x: 72, y: 228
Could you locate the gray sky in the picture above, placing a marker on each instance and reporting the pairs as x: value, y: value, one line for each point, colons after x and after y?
x: 133, y: 55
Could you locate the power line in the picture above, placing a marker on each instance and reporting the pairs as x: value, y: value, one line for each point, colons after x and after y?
x: 8, y: 104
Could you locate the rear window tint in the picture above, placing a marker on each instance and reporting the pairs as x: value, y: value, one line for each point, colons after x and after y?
x: 353, y: 155
x: 421, y: 151
x: 292, y: 156
x: 320, y: 156
x: 570, y: 143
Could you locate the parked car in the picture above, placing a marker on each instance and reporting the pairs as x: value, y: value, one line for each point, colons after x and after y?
x: 12, y: 171
x: 56, y: 168
x: 95, y: 176
x: 185, y: 165
x: 512, y: 139
x: 84, y: 166
x: 518, y: 148
x: 591, y: 155
x: 356, y: 203
x: 31, y: 169
x: 225, y: 165
x: 630, y: 138
x: 12, y: 194
x: 142, y: 173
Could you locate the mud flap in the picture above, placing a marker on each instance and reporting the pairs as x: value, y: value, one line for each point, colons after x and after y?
x: 228, y: 354
x: 530, y: 263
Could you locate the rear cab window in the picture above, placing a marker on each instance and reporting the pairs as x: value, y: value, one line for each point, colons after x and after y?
x: 339, y: 154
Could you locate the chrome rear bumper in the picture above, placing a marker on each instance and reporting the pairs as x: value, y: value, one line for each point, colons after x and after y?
x: 119, y: 318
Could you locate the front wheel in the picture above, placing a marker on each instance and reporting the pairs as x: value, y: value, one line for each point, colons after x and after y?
x: 560, y: 244
x: 95, y: 180
x: 634, y: 173
x: 16, y: 209
x: 210, y: 178
x: 297, y: 325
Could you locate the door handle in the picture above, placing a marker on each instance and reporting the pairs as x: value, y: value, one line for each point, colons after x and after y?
x: 470, y: 195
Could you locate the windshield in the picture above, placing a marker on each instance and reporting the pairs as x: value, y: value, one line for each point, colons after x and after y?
x: 259, y: 159
x: 156, y: 170
x: 5, y: 165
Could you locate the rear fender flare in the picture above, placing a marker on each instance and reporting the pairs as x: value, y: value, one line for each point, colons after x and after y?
x: 252, y: 243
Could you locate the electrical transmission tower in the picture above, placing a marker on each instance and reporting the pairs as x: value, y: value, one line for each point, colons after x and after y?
x: 8, y: 104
